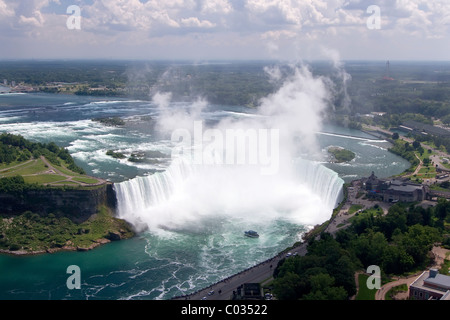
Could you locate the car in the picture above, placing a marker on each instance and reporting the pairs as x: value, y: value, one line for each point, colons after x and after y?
x: 211, y: 293
x: 288, y: 255
x: 204, y: 298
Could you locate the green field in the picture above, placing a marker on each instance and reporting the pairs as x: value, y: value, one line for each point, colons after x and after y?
x: 24, y: 168
x: 85, y: 180
x: 44, y: 178
x: 427, y: 173
x: 354, y: 208
x: 364, y: 293
x: 395, y: 290
x: 36, y: 171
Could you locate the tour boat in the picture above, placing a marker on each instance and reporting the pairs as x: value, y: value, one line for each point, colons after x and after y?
x: 251, y: 234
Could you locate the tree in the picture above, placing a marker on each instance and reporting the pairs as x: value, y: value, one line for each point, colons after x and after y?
x: 442, y: 209
x: 396, y: 261
x: 395, y: 136
x: 322, y: 288
x: 287, y: 287
x: 418, y: 241
x: 369, y: 247
x: 395, y: 219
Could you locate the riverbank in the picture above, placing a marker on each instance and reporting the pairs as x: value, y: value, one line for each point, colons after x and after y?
x: 262, y: 272
x: 31, y: 233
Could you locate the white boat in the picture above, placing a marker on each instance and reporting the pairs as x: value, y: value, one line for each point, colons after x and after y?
x: 252, y: 234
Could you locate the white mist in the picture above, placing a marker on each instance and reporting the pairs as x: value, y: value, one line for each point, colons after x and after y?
x: 190, y: 196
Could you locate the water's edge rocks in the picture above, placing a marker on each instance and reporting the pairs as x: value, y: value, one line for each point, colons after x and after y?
x: 60, y: 219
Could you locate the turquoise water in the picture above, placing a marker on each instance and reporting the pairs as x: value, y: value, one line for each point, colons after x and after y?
x: 165, y: 262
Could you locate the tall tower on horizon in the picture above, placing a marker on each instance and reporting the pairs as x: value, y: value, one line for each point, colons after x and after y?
x: 387, y: 73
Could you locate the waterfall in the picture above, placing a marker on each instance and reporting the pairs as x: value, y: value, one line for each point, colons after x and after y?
x: 135, y: 196
x: 322, y: 181
x: 185, y: 194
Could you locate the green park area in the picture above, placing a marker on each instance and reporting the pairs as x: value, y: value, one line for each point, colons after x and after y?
x: 42, y: 164
x: 27, y: 166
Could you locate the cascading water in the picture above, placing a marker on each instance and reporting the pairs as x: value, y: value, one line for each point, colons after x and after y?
x: 185, y: 196
x: 138, y: 195
x: 322, y: 181
x: 220, y: 200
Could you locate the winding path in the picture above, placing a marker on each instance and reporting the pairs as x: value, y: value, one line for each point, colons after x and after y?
x: 51, y: 170
x: 439, y: 257
x: 70, y: 178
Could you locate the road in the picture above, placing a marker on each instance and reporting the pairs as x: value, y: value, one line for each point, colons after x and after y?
x: 223, y: 290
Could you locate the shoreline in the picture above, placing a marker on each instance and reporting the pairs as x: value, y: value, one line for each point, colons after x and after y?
x: 23, y: 253
x: 331, y: 225
x: 266, y: 267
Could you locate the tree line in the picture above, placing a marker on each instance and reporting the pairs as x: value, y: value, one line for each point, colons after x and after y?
x: 17, y: 148
x: 398, y: 242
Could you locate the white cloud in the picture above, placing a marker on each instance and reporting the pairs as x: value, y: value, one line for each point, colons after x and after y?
x: 216, y: 7
x: 6, y: 11
x: 195, y: 22
x: 271, y: 24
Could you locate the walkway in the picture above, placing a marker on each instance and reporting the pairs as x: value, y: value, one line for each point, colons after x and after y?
x: 223, y: 290
x: 69, y: 178
x: 439, y: 257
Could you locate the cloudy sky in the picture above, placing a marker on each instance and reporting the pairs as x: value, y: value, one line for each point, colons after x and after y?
x: 226, y: 29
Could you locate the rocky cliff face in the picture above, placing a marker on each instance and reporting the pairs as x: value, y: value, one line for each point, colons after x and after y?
x: 76, y: 204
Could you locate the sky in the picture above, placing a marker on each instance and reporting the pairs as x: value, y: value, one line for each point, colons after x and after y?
x: 225, y: 29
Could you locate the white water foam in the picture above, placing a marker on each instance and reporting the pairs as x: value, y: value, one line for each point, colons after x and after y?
x: 188, y: 197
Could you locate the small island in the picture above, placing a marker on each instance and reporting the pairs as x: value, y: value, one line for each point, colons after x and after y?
x: 341, y: 155
x: 115, y: 155
x: 110, y: 121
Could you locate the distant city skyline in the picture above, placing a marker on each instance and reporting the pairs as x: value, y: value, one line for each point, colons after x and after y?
x: 225, y: 29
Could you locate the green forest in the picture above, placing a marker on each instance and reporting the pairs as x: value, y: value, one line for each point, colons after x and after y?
x: 15, y: 148
x: 399, y: 243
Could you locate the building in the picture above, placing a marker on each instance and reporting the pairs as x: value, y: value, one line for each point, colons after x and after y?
x: 430, y: 285
x: 424, y: 129
x: 401, y: 191
x: 374, y: 186
x: 394, y: 190
x: 248, y: 291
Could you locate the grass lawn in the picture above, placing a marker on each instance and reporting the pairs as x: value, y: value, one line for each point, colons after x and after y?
x: 33, y: 167
x: 429, y: 172
x: 36, y: 171
x: 395, y: 290
x: 438, y: 188
x: 447, y: 165
x: 364, y: 293
x: 4, y: 166
x: 354, y: 208
x: 44, y: 178
x: 65, y: 183
x: 424, y: 155
x: 445, y: 268
x: 371, y: 211
x: 85, y: 180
